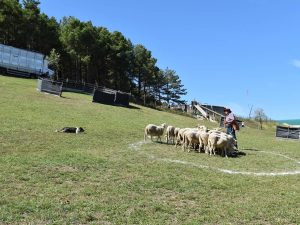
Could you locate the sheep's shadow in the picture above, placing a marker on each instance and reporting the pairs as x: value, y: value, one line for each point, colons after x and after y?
x: 251, y: 149
x: 237, y: 154
x: 64, y: 97
x: 117, y: 105
x: 133, y: 107
x: 165, y: 143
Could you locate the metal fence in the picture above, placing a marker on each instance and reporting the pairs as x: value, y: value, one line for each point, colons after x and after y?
x: 292, y: 132
x: 111, y: 97
x: 100, y: 94
x: 74, y: 86
x: 49, y: 86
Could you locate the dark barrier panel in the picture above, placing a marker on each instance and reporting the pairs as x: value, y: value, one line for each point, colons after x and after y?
x: 288, y: 132
x: 101, y: 96
x: 122, y: 99
x: 112, y: 97
x: 49, y: 86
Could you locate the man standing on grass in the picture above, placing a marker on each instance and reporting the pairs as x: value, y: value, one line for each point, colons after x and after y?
x: 230, y: 123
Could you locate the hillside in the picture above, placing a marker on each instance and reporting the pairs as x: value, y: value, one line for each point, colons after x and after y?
x: 110, y: 176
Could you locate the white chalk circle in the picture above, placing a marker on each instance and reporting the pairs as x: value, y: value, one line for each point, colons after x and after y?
x: 137, y: 147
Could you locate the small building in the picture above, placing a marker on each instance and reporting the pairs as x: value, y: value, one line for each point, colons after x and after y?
x: 214, y: 108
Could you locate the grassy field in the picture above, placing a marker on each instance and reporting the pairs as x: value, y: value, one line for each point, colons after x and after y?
x: 109, y: 176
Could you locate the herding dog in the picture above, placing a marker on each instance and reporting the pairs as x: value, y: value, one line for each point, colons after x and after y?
x: 76, y: 130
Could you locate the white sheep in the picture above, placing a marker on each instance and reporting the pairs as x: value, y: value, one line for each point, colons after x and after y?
x: 222, y: 141
x: 190, y: 137
x: 154, y: 131
x: 170, y: 134
x: 179, y: 137
x: 203, y: 140
x: 177, y: 129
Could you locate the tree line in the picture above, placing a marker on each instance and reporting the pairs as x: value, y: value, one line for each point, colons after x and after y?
x: 80, y: 51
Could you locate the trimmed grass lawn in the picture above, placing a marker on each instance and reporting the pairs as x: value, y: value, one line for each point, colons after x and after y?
x: 110, y: 176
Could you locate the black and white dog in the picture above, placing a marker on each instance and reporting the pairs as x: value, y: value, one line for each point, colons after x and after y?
x: 76, y: 130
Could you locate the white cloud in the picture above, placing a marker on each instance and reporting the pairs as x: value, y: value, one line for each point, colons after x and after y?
x: 296, y: 63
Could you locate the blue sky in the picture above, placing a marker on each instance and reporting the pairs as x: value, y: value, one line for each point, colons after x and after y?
x: 234, y: 53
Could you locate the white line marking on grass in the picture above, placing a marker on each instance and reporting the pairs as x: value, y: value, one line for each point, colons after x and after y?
x: 284, y: 156
x: 137, y: 146
x: 295, y: 172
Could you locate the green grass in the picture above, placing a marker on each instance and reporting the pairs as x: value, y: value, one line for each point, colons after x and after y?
x: 107, y: 176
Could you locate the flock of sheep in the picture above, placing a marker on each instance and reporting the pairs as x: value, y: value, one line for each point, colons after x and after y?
x: 200, y: 138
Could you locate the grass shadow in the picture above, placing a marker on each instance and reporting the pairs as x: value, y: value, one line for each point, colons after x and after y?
x: 133, y: 107
x: 64, y: 97
x: 117, y: 105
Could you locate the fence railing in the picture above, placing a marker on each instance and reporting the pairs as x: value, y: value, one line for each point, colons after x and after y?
x: 49, y: 86
x: 74, y: 86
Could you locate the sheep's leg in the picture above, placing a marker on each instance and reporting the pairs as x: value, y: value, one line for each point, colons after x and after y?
x: 184, y: 144
x: 206, y: 149
x: 212, y: 151
x: 225, y: 152
x: 200, y: 147
x: 158, y: 137
x: 209, y: 148
x: 192, y: 146
x: 176, y: 143
x: 199, y: 150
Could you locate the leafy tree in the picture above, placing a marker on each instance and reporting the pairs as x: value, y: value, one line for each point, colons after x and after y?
x: 99, y: 62
x: 54, y: 61
x: 11, y: 16
x: 119, y: 61
x: 141, y: 57
x: 173, y: 89
x: 145, y: 72
x: 159, y: 82
x: 31, y: 23
x: 79, y: 40
x: 48, y: 35
x: 259, y: 115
